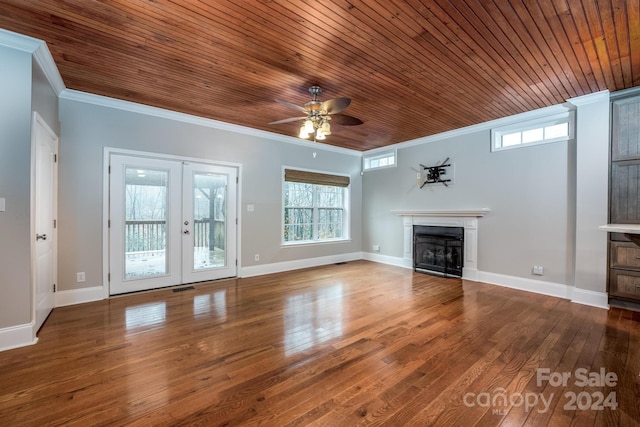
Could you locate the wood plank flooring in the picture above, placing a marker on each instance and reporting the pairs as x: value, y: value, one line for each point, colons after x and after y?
x: 342, y: 345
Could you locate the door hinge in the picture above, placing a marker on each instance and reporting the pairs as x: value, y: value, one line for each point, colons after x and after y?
x: 236, y: 263
x: 236, y: 221
x: 108, y: 277
x: 237, y: 180
x: 55, y: 158
x: 54, y: 287
x: 108, y: 223
x: 55, y: 223
x: 109, y: 171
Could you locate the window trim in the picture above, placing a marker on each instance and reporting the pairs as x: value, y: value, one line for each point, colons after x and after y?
x: 346, y: 207
x: 541, y: 122
x: 380, y: 155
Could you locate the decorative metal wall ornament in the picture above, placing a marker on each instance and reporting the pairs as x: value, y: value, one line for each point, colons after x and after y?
x: 434, y: 174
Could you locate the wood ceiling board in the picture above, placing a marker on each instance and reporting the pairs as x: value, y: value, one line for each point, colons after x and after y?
x: 411, y: 68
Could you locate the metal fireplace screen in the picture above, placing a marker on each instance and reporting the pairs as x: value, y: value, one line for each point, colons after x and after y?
x: 438, y: 250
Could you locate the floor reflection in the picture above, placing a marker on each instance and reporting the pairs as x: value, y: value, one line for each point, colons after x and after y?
x: 312, y: 318
x: 145, y: 315
x: 215, y: 304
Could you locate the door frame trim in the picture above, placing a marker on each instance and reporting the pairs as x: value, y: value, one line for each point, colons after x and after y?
x: 108, y: 152
x: 36, y: 119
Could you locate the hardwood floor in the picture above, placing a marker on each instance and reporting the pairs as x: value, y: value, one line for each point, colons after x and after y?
x: 342, y: 345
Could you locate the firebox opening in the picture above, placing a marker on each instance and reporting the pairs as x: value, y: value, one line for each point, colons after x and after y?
x: 438, y: 250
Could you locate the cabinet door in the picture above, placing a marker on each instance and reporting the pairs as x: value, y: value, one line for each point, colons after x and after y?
x: 625, y: 127
x: 625, y: 192
x: 624, y: 283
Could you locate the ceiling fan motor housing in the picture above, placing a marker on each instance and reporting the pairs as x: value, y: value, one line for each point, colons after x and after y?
x: 314, y: 105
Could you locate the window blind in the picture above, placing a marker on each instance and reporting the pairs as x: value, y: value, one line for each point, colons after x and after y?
x: 293, y: 175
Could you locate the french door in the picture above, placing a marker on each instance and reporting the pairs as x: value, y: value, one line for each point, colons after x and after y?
x: 171, y: 222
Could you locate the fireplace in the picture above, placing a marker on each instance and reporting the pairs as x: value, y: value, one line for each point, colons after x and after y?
x: 438, y: 250
x: 465, y: 218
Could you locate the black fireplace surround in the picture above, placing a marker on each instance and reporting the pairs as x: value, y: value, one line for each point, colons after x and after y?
x: 438, y: 250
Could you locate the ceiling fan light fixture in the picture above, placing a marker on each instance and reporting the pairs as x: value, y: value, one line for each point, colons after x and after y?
x: 308, y: 126
x: 303, y: 132
x: 318, y: 114
x: 326, y: 127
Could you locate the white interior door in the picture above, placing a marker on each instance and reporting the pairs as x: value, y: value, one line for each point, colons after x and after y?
x: 45, y: 148
x: 169, y: 223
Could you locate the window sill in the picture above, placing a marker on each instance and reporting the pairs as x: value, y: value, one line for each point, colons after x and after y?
x: 299, y: 243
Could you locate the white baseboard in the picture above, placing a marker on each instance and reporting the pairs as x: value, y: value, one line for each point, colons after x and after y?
x: 529, y: 285
x: 278, y: 267
x: 579, y: 296
x: 592, y: 298
x: 385, y: 259
x: 17, y: 336
x: 79, y: 296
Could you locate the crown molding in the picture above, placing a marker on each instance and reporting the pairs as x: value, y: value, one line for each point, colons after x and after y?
x: 592, y: 98
x: 19, y: 41
x: 103, y: 101
x: 40, y: 52
x: 504, y: 121
x: 44, y: 59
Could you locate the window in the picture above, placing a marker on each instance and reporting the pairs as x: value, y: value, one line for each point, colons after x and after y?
x: 379, y: 160
x: 554, y: 128
x: 314, y: 206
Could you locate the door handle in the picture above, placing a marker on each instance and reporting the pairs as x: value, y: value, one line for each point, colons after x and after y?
x: 41, y: 237
x: 185, y: 232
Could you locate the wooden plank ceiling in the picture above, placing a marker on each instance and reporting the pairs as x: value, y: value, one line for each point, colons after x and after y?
x: 412, y: 68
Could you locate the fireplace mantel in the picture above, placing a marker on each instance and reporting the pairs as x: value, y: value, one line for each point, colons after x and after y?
x: 477, y: 213
x: 466, y: 218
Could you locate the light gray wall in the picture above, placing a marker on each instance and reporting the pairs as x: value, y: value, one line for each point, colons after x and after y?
x: 592, y: 191
x: 530, y: 191
x: 86, y: 129
x: 15, y: 172
x: 44, y: 99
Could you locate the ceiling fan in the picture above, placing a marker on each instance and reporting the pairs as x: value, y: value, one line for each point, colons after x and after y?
x: 318, y: 114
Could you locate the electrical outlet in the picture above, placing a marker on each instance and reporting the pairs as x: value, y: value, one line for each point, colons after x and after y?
x: 80, y: 277
x: 376, y: 248
x: 538, y: 270
x: 257, y: 257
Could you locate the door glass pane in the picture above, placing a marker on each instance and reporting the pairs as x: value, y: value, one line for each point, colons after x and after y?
x: 146, y: 222
x: 209, y: 220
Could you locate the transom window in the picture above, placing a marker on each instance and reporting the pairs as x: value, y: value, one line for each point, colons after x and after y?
x: 314, y: 206
x: 379, y: 160
x: 554, y: 128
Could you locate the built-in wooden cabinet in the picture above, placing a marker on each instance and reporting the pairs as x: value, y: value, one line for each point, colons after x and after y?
x: 624, y: 198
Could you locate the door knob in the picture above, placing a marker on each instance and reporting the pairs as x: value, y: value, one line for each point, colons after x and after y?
x: 41, y: 237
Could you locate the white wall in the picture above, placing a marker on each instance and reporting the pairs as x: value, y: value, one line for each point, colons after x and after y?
x: 15, y: 172
x: 88, y: 128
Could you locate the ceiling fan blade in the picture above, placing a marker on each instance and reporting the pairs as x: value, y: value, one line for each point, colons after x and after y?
x: 336, y: 105
x: 291, y: 105
x: 345, y: 120
x: 289, y: 120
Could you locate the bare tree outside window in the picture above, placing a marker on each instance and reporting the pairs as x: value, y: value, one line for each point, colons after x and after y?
x: 313, y: 212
